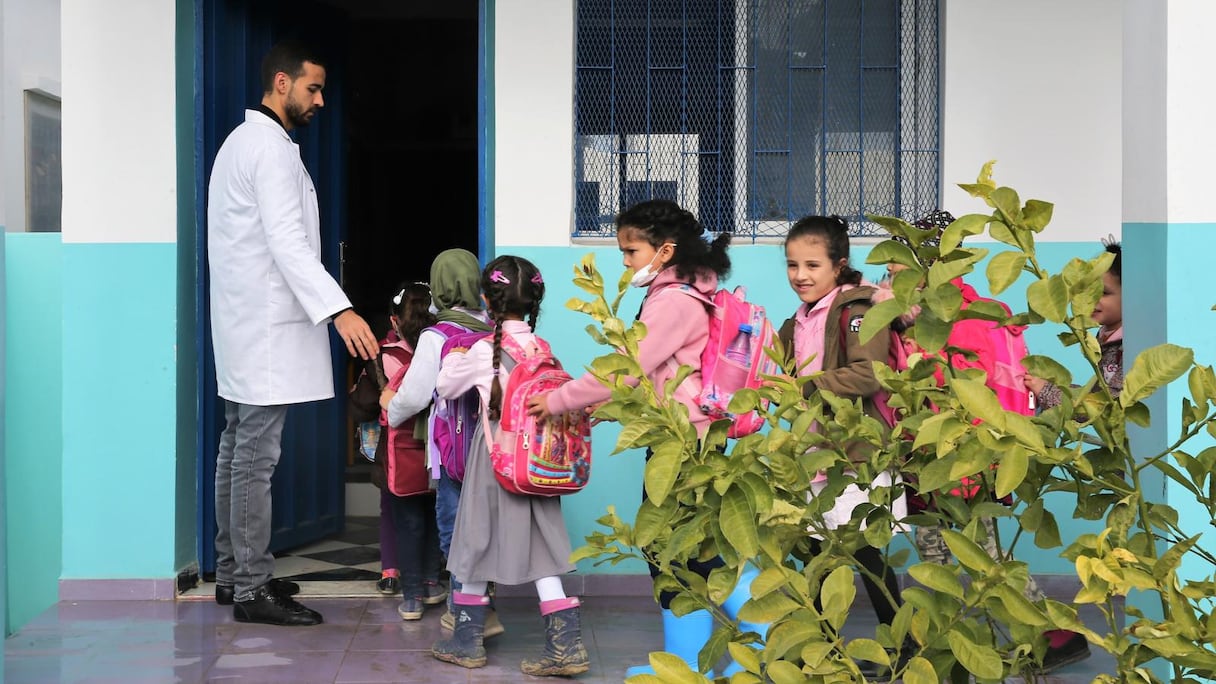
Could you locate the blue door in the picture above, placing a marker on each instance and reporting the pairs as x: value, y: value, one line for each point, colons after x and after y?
x: 309, y: 482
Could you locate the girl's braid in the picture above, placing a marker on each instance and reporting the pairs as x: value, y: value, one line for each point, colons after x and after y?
x: 495, y: 405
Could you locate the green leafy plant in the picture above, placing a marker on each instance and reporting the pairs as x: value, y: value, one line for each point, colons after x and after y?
x: 747, y: 502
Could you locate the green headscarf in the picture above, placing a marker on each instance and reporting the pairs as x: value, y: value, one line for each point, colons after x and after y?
x: 456, y: 282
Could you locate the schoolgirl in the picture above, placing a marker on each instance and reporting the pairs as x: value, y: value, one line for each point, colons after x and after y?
x: 499, y: 536
x: 817, y: 266
x: 456, y: 297
x: 412, y: 509
x: 664, y: 246
x: 1108, y: 314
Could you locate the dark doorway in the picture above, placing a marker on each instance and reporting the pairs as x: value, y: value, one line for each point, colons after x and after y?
x: 394, y: 157
x: 412, y: 136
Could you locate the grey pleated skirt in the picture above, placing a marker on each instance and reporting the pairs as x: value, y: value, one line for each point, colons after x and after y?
x: 503, y: 537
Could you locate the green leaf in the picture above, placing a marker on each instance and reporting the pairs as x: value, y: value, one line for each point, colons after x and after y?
x: 878, y: 318
x: 1004, y: 269
x: 788, y: 635
x: 930, y: 331
x: 981, y: 661
x: 662, y: 469
x: 785, y: 672
x: 967, y: 552
x: 867, y: 649
x: 672, y: 668
x: 979, y: 401
x: 738, y: 520
x: 920, y: 671
x: 1037, y: 214
x: 892, y: 252
x: 938, y: 578
x: 997, y: 230
x: 1005, y: 200
x: 1049, y: 298
x: 1047, y: 368
x: 631, y: 433
x: 963, y: 226
x: 1012, y: 472
x: 837, y: 595
x: 944, y: 301
x: 1154, y: 368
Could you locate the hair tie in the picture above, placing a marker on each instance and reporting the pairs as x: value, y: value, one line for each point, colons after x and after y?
x: 537, y: 280
x: 498, y: 277
x: 707, y: 236
x: 1110, y: 241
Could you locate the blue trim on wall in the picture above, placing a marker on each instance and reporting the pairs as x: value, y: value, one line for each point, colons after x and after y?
x: 485, y: 130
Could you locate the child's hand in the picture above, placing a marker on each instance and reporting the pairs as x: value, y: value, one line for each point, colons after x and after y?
x: 1034, y: 384
x: 539, y: 406
x: 385, y: 397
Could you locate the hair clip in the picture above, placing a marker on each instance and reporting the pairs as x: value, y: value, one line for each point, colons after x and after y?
x: 498, y: 277
x: 397, y: 299
x: 537, y: 280
x: 707, y: 236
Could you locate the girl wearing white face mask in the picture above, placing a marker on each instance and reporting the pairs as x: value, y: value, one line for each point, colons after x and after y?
x: 663, y: 244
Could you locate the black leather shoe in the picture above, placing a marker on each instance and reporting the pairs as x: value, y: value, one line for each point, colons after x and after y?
x: 225, y: 593
x: 268, y: 607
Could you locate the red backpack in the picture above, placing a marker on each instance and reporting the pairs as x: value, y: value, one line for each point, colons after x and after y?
x: 403, y: 454
x: 529, y: 455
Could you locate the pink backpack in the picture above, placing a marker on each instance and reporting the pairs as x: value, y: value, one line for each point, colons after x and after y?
x: 532, y: 456
x: 734, y: 357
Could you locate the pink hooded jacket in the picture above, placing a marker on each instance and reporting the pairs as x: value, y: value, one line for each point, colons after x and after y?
x: 677, y: 330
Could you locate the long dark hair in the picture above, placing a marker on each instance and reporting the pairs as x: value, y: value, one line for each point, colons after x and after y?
x: 661, y: 221
x: 513, y: 287
x: 833, y: 231
x: 412, y: 307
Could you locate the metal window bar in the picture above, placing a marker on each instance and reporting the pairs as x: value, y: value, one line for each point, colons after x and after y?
x: 753, y: 113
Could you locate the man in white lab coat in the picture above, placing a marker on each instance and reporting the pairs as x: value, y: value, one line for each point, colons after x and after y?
x: 271, y: 301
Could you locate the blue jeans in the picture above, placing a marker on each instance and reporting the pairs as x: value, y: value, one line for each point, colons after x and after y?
x: 447, y: 500
x: 249, y: 452
x: 417, y: 542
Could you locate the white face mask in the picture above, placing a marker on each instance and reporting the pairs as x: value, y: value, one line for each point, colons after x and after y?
x: 646, y: 275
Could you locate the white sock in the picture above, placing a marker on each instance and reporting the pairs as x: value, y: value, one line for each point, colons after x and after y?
x: 474, y: 588
x: 550, y: 588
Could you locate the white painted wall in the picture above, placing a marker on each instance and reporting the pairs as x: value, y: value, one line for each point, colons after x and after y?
x: 119, y: 171
x: 29, y: 59
x: 1190, y: 137
x: 533, y: 123
x: 1037, y: 85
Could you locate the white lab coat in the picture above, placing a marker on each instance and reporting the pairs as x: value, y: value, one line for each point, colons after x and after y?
x: 271, y: 299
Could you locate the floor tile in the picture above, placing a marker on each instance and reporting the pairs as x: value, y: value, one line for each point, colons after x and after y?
x: 270, y: 667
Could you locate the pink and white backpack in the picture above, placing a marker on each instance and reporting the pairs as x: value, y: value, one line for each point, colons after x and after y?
x: 722, y: 374
x: 533, y: 456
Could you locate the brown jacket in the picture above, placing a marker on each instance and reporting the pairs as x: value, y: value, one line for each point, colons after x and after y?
x: 847, y: 372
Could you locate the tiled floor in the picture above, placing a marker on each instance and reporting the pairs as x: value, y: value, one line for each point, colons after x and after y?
x: 362, y: 640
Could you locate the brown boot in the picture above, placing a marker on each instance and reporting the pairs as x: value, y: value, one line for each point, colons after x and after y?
x: 465, y: 647
x: 564, y: 653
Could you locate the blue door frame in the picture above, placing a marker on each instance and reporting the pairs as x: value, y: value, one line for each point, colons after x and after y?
x: 231, y: 36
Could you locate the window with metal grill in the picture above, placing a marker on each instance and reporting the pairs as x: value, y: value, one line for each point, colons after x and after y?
x: 754, y: 113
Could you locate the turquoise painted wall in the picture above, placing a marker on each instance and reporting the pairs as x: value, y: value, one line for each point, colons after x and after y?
x: 617, y: 479
x: 119, y: 410
x: 32, y: 425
